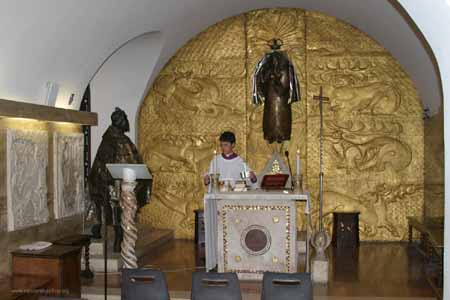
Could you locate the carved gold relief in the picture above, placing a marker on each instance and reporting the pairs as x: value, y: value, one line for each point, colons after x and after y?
x: 362, y: 147
x: 374, y: 141
x: 382, y: 207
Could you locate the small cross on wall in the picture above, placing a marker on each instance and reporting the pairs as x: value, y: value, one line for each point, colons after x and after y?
x: 321, y: 97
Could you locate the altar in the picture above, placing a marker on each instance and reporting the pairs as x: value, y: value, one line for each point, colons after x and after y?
x: 252, y: 232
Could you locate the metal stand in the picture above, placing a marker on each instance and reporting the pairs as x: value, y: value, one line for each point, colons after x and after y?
x: 321, y: 239
x: 105, y: 254
x: 114, y: 195
x: 87, y: 273
x: 321, y: 99
x: 87, y: 215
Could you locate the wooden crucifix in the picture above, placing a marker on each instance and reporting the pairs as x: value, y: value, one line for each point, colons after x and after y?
x: 321, y: 99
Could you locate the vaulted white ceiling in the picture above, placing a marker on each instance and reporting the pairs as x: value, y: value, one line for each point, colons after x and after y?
x: 66, y: 41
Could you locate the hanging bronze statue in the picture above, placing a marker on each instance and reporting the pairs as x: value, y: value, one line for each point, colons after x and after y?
x: 275, y: 84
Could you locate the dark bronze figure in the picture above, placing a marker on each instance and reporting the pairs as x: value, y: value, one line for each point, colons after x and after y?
x: 275, y: 84
x: 115, y: 147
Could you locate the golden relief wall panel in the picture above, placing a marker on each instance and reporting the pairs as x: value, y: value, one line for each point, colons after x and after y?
x: 182, y: 116
x: 373, y: 132
x: 373, y: 123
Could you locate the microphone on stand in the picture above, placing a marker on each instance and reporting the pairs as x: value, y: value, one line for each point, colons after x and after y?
x: 290, y: 170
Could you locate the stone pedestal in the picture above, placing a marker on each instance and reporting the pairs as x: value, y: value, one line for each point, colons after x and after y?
x: 320, y: 241
x: 320, y: 271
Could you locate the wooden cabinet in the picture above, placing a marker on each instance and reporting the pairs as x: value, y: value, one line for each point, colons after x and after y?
x: 59, y: 264
x: 345, y: 229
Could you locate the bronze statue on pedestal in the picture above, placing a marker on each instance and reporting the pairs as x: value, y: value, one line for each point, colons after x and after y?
x: 275, y: 84
x: 115, y: 147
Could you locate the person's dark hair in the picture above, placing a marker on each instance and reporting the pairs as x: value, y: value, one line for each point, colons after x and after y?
x: 228, y: 136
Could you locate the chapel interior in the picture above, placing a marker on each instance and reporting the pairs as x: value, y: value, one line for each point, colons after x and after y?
x: 260, y: 149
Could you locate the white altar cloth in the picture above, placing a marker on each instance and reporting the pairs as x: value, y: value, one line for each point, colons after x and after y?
x: 211, y: 216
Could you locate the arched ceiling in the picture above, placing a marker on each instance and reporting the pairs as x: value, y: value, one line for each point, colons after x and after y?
x: 66, y: 41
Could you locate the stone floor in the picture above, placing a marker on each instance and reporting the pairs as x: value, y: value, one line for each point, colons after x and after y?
x: 375, y: 270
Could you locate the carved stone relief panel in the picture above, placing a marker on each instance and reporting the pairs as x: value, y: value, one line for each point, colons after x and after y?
x: 68, y: 174
x: 26, y: 178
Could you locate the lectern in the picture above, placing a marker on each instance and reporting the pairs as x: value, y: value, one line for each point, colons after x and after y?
x: 128, y: 173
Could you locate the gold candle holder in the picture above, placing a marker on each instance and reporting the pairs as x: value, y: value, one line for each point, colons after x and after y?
x: 298, y: 184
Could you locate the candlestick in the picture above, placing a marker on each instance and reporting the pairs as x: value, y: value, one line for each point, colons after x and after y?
x: 298, y: 162
x: 215, y: 162
x: 298, y: 184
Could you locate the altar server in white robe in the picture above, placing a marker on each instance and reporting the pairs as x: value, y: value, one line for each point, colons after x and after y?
x: 229, y: 164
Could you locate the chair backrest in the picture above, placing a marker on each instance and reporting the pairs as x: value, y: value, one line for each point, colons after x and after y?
x: 143, y: 284
x: 216, y: 286
x: 285, y: 286
x: 59, y: 298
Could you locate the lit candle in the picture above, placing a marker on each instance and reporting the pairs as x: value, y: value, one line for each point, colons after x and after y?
x: 298, y: 162
x: 215, y: 162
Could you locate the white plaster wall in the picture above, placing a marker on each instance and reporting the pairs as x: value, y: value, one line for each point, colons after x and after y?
x: 433, y: 19
x: 66, y: 41
x: 122, y: 81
